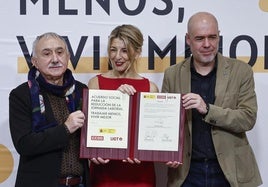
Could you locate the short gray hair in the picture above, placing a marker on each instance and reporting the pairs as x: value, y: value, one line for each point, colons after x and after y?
x: 47, y: 35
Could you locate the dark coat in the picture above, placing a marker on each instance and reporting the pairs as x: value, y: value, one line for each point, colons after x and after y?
x: 40, y: 153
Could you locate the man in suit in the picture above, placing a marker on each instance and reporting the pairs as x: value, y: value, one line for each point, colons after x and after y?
x: 219, y: 96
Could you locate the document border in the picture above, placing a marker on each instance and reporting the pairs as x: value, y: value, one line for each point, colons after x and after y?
x: 132, y: 149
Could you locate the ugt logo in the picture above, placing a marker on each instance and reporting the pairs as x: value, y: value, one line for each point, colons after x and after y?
x: 116, y: 139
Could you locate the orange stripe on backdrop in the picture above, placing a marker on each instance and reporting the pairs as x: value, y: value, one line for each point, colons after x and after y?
x: 85, y: 65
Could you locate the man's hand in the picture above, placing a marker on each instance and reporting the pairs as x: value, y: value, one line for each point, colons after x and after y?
x: 191, y: 100
x: 75, y: 121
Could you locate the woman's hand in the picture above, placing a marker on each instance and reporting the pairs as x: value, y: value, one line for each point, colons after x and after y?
x: 173, y: 164
x: 134, y: 161
x: 100, y: 160
x: 126, y: 88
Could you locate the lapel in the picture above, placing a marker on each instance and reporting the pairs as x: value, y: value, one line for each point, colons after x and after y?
x: 223, y: 74
x: 185, y: 77
x: 222, y: 77
x: 185, y: 87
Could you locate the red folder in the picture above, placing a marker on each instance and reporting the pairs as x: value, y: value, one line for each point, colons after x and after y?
x: 132, y: 149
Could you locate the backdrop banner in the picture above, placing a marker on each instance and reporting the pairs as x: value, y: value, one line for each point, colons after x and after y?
x: 86, y: 26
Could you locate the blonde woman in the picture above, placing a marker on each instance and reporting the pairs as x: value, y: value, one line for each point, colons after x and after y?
x: 124, y: 48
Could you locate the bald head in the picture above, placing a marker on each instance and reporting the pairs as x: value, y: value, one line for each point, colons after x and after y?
x: 203, y: 38
x: 202, y: 18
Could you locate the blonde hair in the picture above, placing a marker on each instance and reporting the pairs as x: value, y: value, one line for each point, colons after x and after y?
x: 131, y: 36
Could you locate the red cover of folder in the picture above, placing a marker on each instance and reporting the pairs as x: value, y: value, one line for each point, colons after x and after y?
x: 132, y: 150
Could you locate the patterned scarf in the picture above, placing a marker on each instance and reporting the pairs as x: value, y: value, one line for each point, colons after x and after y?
x: 67, y: 90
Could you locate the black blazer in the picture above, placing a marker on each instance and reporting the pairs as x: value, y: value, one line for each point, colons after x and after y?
x: 40, y: 153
